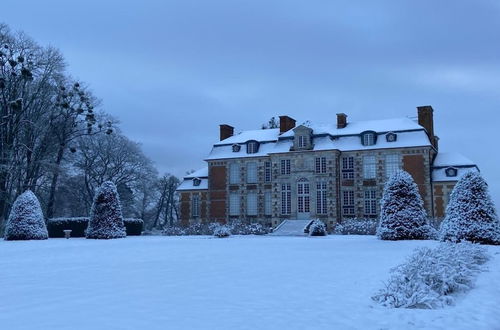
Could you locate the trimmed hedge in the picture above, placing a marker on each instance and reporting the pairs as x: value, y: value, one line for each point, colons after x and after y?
x: 56, y: 226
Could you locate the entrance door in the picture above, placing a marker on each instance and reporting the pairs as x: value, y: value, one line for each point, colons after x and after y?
x: 303, y: 199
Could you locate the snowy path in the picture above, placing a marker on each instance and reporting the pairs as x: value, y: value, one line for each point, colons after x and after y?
x: 233, y: 283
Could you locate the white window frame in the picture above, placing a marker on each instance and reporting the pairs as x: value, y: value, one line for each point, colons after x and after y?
x: 392, y: 164
x: 369, y: 139
x: 321, y: 200
x: 303, y: 196
x: 348, y: 168
x: 286, y: 166
x: 252, y: 203
x: 252, y: 147
x: 195, y: 205
x: 320, y: 163
x: 252, y: 176
x: 348, y: 203
x: 370, y: 202
x: 268, y: 174
x: 234, y: 173
x: 286, y: 199
x: 234, y: 204
x: 302, y: 143
x: 369, y: 167
x: 268, y: 203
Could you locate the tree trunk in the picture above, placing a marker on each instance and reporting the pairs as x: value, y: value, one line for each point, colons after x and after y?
x: 53, y: 184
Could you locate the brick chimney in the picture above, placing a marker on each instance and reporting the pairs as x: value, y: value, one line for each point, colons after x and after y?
x: 286, y: 124
x: 226, y: 131
x: 341, y: 120
x: 426, y: 120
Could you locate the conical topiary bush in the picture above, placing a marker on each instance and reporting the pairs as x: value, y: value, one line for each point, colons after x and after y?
x: 402, y: 212
x: 26, y: 219
x: 106, y: 220
x: 470, y: 214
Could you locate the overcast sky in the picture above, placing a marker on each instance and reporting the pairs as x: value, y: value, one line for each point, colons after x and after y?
x: 172, y: 71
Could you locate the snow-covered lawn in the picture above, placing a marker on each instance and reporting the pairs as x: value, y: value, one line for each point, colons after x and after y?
x: 231, y: 283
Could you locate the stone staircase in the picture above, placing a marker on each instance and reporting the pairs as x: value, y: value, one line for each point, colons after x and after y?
x: 291, y: 228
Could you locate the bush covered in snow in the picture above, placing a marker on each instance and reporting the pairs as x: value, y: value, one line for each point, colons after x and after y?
x: 106, y: 220
x: 402, y: 213
x: 317, y: 228
x: 78, y: 226
x: 26, y: 219
x: 356, y: 227
x: 430, y: 276
x: 236, y: 228
x: 222, y: 231
x: 470, y: 214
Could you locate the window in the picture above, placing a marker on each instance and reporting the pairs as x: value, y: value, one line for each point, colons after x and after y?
x: 302, y: 141
x: 234, y: 173
x: 348, y: 202
x: 252, y: 172
x: 348, y: 168
x: 286, y: 199
x: 391, y: 164
x: 320, y: 165
x: 234, y: 204
x: 391, y: 137
x: 196, y: 182
x: 369, y: 167
x: 370, y: 202
x: 285, y: 166
x: 451, y: 171
x: 236, y: 148
x: 267, y: 172
x: 195, y: 205
x: 267, y: 203
x: 252, y: 203
x: 321, y: 207
x: 368, y: 139
x: 303, y: 199
x: 252, y: 147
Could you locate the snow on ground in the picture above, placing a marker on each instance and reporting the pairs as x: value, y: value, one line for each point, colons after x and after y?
x: 231, y: 283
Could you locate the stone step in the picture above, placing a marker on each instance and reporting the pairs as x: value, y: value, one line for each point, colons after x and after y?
x: 291, y: 228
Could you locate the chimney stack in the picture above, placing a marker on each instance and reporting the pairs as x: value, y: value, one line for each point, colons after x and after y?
x: 341, y: 120
x: 286, y: 124
x: 426, y: 120
x: 226, y: 131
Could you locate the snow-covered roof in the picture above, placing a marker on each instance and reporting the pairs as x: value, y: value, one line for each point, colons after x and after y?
x: 188, y: 182
x: 439, y: 174
x: 325, y: 142
x: 353, y: 128
x: 444, y: 159
x: 260, y: 135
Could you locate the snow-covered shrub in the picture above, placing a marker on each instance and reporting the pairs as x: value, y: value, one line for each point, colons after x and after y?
x: 106, y: 220
x: 222, y: 231
x: 26, y: 219
x: 238, y: 227
x: 78, y: 226
x: 317, y: 228
x: 356, y: 227
x: 429, y: 276
x: 133, y: 226
x: 173, y: 231
x: 470, y: 214
x: 402, y: 213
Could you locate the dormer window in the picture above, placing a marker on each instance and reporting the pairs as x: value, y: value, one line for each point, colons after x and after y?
x: 451, y: 172
x: 236, y: 148
x: 196, y: 182
x: 302, y: 143
x: 252, y: 147
x: 368, y: 138
x: 391, y: 137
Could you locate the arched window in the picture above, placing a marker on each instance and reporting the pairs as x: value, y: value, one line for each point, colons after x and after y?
x: 451, y: 172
